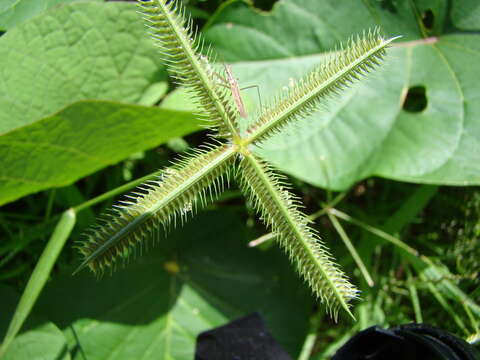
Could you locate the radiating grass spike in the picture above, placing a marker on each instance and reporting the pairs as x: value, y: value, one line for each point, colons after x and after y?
x: 181, y: 49
x: 279, y: 209
x: 195, y: 179
x: 329, y: 78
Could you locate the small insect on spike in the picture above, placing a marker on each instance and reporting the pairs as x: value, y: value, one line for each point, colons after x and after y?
x: 234, y: 88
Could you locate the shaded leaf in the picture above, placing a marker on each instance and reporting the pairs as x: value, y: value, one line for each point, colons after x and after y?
x: 195, y: 280
x: 39, y: 339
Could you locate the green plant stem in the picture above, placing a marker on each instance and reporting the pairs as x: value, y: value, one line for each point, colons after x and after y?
x: 392, y: 239
x: 311, y: 336
x: 117, y: 191
x: 339, y: 341
x: 443, y: 302
x: 51, y: 198
x: 356, y: 257
x: 262, y: 239
x: 472, y: 319
x: 39, y: 276
x: 414, y: 295
x: 326, y: 207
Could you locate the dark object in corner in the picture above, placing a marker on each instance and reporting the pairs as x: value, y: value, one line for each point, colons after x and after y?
x: 242, y: 339
x: 406, y: 342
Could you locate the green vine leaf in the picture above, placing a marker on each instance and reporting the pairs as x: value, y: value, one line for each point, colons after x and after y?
x: 14, y: 12
x: 466, y: 14
x: 370, y: 129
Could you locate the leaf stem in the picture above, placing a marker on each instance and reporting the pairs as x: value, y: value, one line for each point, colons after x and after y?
x: 399, y: 243
x: 117, y: 191
x: 356, y: 257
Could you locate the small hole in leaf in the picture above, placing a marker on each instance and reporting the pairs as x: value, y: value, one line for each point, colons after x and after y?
x: 265, y: 5
x: 428, y: 19
x: 389, y: 6
x: 416, y: 99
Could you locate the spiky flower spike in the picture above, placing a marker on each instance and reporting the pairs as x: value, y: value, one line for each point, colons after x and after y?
x: 195, y: 179
x: 278, y: 208
x: 183, y: 186
x: 181, y: 50
x: 343, y: 68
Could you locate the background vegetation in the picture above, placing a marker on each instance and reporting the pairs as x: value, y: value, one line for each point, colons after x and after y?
x: 78, y: 82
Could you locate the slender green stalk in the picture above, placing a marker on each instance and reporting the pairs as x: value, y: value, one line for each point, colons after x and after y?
x: 414, y: 296
x: 326, y: 207
x: 397, y: 242
x: 443, y: 302
x: 471, y: 318
x: 39, y: 276
x: 356, y: 257
x: 115, y: 192
x: 312, y: 335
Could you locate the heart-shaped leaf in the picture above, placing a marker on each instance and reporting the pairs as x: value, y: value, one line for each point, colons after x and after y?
x: 414, y: 120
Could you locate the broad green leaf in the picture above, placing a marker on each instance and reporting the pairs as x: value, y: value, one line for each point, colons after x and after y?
x: 74, y: 52
x: 39, y: 339
x: 301, y: 27
x: 366, y: 131
x: 466, y: 14
x: 82, y: 138
x: 14, y: 12
x: 153, y: 94
x: 193, y: 281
